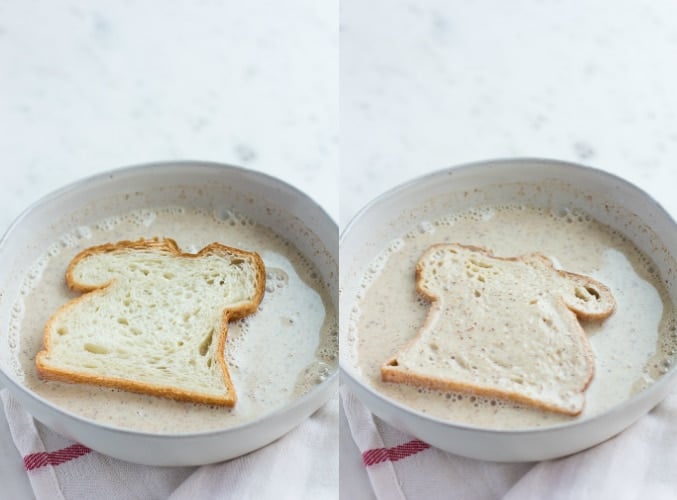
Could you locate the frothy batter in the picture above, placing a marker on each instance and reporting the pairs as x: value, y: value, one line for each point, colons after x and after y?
x: 633, y: 347
x: 274, y: 356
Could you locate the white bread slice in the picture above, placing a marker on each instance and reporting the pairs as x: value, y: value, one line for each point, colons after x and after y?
x: 502, y: 327
x: 152, y: 319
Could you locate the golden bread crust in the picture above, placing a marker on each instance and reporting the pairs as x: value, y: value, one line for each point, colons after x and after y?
x: 162, y: 246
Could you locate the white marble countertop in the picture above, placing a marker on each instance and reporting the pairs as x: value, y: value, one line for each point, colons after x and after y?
x: 90, y: 86
x: 432, y: 84
x: 426, y: 85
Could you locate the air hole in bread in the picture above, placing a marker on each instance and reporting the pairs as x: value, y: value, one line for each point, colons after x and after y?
x: 95, y: 348
x: 123, y: 321
x: 206, y: 343
x: 62, y: 331
x: 500, y: 362
x: 480, y: 263
x: 580, y: 293
x: 586, y: 293
x: 462, y: 362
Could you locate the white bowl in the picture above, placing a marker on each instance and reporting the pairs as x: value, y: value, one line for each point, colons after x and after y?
x: 562, y: 184
x: 267, y: 200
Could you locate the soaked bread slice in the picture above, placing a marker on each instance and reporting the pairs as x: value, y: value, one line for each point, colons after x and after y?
x: 502, y: 327
x: 152, y: 319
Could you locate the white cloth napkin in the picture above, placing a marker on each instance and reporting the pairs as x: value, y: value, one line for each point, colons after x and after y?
x: 639, y: 463
x: 302, y: 464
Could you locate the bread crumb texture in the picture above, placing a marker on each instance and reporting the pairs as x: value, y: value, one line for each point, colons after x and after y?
x: 502, y: 327
x: 152, y: 319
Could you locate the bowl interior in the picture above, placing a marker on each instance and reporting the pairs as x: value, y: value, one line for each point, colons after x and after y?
x: 211, y: 188
x: 537, y: 183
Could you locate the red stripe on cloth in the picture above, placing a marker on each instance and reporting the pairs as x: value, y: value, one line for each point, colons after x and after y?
x: 378, y: 455
x: 37, y: 460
